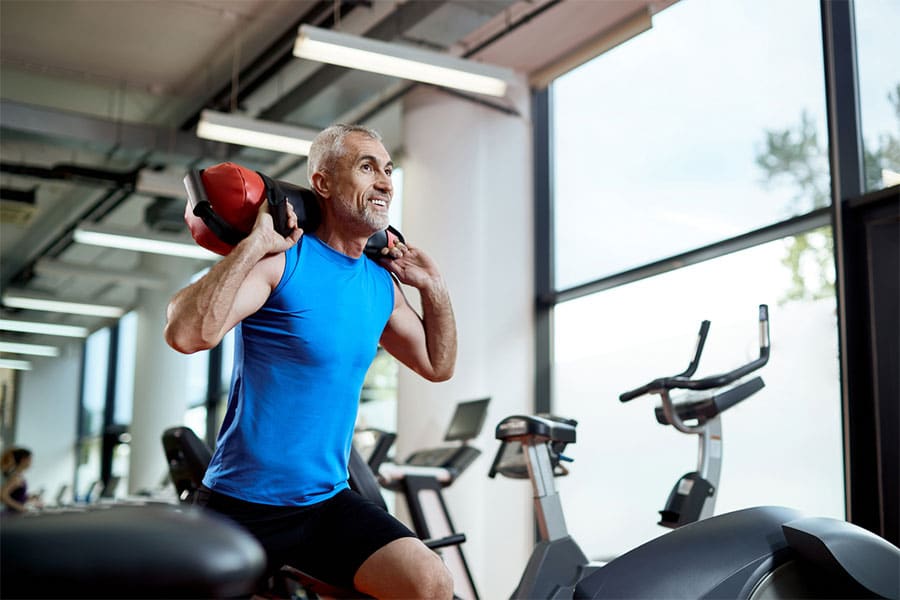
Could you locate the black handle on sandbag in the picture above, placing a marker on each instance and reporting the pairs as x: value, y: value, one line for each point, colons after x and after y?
x: 304, y: 201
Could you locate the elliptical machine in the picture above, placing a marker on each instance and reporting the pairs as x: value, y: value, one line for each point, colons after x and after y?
x: 762, y: 552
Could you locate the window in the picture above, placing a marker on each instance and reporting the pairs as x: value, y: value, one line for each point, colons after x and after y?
x: 658, y: 142
x: 93, y: 404
x: 780, y: 446
x: 879, y: 90
x: 707, y: 127
x: 125, y: 370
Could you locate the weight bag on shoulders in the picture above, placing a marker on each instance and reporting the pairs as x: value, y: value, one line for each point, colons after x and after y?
x: 223, y: 201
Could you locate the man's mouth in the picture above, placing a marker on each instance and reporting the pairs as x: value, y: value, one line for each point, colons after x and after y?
x: 379, y: 202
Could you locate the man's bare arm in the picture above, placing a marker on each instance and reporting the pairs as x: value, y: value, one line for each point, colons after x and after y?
x: 425, y: 344
x: 200, y: 315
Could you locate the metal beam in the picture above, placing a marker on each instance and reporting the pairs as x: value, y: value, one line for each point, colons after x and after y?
x: 819, y: 217
x: 27, y: 118
x: 135, y: 277
x: 861, y: 453
x: 544, y: 274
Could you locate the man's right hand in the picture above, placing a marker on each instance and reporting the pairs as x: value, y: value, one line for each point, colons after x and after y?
x: 269, y: 239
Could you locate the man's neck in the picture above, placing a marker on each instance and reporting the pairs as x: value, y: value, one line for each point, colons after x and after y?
x: 342, y: 240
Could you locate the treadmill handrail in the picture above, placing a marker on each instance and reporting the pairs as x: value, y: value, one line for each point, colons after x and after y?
x: 713, y: 381
x: 391, y: 472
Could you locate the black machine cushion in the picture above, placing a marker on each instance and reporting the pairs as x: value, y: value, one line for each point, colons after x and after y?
x: 712, y: 558
x: 153, y: 551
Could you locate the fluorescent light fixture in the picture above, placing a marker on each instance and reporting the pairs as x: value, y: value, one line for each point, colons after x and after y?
x: 18, y: 365
x: 244, y: 131
x: 154, y: 243
x: 427, y: 66
x: 33, y: 349
x: 43, y: 328
x: 29, y: 302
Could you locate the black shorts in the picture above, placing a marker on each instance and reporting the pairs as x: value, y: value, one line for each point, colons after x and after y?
x: 329, y: 540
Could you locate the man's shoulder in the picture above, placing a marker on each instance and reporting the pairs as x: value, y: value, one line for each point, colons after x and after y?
x: 271, y: 268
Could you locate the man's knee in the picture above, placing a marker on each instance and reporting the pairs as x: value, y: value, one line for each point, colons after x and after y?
x: 405, y: 568
x: 436, y: 580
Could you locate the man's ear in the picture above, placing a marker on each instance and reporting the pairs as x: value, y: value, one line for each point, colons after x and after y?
x: 321, y: 184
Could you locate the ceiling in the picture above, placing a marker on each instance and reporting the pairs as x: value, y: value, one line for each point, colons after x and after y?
x: 100, y: 99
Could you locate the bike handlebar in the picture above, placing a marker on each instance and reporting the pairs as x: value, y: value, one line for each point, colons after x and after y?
x: 683, y: 380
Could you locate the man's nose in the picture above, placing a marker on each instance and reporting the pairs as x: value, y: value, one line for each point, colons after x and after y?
x: 384, y: 182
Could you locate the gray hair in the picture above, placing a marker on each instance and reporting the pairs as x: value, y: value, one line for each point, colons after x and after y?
x: 328, y: 147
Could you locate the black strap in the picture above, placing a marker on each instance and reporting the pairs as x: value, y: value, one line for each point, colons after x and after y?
x: 219, y: 226
x: 277, y: 199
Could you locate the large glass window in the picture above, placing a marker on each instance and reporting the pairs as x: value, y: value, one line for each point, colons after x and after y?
x: 707, y: 127
x: 93, y: 403
x: 879, y: 89
x: 125, y: 368
x: 658, y: 143
x: 780, y: 446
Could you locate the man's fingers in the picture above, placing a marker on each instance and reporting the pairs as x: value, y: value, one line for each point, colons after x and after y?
x: 292, y: 216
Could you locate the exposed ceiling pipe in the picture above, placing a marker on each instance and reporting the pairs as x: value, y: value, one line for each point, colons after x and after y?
x: 75, y: 174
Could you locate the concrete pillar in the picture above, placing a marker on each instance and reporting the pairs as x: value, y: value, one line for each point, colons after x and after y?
x: 468, y: 202
x: 160, y: 377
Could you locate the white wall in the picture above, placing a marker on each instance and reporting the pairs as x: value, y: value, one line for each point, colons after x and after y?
x: 468, y: 203
x: 48, y: 415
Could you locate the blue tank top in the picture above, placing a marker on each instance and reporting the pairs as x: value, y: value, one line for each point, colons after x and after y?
x: 299, y: 365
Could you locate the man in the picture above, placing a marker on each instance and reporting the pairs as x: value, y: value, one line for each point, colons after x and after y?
x: 310, y: 310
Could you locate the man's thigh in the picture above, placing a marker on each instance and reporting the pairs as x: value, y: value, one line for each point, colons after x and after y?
x: 404, y: 568
x: 338, y: 537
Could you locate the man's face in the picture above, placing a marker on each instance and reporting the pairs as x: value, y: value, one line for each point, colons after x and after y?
x: 362, y: 183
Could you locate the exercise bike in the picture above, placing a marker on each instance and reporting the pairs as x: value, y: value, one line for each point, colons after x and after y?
x: 532, y: 448
x: 693, y: 497
x: 762, y: 552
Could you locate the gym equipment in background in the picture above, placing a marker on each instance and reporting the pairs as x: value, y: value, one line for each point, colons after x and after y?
x: 223, y: 201
x: 424, y: 474
x: 754, y: 553
x: 531, y: 447
x: 693, y: 497
x: 465, y: 425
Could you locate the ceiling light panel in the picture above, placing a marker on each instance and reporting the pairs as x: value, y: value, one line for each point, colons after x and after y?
x: 32, y: 349
x: 43, y: 328
x: 405, y: 62
x: 246, y: 131
x: 16, y: 365
x: 30, y: 302
x: 154, y: 243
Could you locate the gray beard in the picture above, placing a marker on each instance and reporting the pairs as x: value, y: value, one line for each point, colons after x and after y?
x: 377, y: 221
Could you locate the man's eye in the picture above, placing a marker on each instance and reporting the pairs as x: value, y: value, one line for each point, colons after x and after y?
x: 389, y: 172
x: 367, y: 167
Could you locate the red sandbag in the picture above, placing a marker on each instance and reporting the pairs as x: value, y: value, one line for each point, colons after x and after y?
x: 234, y: 193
